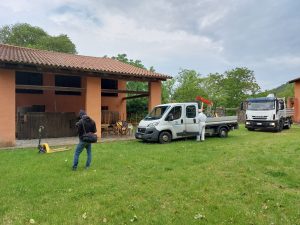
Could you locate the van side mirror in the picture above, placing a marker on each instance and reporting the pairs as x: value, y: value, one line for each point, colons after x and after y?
x: 170, y: 117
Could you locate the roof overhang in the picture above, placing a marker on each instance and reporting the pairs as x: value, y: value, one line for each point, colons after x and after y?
x: 294, y: 80
x: 68, y: 71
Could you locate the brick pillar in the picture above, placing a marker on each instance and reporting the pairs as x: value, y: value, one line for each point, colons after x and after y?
x: 7, y: 108
x: 93, y: 100
x: 297, y: 102
x: 154, y: 94
x: 122, y: 109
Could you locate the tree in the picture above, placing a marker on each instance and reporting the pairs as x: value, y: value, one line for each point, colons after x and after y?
x: 137, y: 105
x: 168, y: 88
x: 25, y: 35
x: 188, y: 86
x: 213, y: 87
x: 239, y: 84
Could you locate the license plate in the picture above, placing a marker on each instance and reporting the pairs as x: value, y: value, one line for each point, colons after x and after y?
x: 139, y: 136
x: 258, y: 123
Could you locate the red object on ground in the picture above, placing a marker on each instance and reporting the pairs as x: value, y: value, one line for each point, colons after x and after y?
x: 204, y: 100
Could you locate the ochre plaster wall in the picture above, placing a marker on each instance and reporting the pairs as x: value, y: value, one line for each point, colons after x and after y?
x: 297, y: 101
x: 93, y: 100
x: 155, y: 94
x: 7, y: 108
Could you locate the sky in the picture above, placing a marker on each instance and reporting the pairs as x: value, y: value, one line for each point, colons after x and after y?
x: 208, y: 36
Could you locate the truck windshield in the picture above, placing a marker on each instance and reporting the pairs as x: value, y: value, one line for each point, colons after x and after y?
x: 261, y: 105
x: 157, y: 113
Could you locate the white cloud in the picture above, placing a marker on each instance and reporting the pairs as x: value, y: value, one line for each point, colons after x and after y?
x: 207, y: 35
x: 285, y: 60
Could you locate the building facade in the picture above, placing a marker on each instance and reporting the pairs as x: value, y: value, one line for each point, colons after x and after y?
x: 51, y: 83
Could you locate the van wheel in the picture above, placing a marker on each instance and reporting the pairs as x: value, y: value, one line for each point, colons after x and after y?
x: 223, y: 132
x: 164, y: 137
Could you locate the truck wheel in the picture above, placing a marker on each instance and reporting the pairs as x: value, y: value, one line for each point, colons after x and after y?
x: 164, y: 137
x: 288, y: 126
x: 279, y: 126
x: 223, y: 132
x: 250, y: 129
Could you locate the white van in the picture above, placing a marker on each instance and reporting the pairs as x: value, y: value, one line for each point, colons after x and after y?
x: 171, y: 121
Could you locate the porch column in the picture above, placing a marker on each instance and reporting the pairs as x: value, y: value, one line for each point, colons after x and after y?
x: 122, y: 108
x: 7, y: 108
x: 93, y: 101
x: 154, y: 94
x: 297, y: 102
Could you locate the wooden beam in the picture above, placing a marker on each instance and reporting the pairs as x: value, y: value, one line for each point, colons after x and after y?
x: 56, y: 88
x: 46, y: 88
x: 135, y: 96
x: 123, y: 91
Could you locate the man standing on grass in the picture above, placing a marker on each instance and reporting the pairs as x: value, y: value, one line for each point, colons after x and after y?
x: 84, y: 125
x: 201, y: 119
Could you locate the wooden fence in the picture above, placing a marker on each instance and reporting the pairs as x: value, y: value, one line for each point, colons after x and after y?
x: 55, y: 125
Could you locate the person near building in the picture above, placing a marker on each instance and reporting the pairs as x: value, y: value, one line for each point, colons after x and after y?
x: 84, y: 125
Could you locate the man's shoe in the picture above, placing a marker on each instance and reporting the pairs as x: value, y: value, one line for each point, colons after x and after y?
x: 74, y: 168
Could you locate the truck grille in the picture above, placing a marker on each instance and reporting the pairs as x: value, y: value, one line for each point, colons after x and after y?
x: 259, y: 117
x: 141, y: 130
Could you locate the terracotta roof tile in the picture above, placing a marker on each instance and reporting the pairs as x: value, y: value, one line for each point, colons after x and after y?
x: 29, y: 56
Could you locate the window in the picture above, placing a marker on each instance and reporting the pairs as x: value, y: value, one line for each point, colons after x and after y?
x: 67, y: 81
x: 28, y: 78
x: 109, y: 84
x: 104, y: 107
x: 157, y: 113
x: 176, y: 112
x: 191, y: 111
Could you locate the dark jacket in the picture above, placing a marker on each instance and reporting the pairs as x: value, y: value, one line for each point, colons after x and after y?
x: 89, y: 126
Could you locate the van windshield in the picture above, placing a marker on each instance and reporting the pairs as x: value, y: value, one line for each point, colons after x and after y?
x: 261, y: 105
x: 157, y: 113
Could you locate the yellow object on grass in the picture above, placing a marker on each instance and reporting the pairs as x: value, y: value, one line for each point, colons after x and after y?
x: 47, y: 149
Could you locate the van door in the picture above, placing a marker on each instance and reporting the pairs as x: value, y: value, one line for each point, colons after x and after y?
x: 177, y: 123
x: 191, y: 120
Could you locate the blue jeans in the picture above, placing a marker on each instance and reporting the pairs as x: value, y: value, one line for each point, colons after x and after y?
x: 81, y: 145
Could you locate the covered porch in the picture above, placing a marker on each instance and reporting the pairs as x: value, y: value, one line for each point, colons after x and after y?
x: 51, y: 96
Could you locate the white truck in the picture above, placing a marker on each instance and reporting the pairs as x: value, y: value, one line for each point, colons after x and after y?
x: 268, y: 113
x: 167, y: 122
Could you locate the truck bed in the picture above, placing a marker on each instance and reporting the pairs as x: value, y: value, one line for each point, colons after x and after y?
x: 223, y: 120
x: 289, y: 112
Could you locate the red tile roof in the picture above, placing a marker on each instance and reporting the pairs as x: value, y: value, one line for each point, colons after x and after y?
x: 29, y: 56
x: 294, y: 80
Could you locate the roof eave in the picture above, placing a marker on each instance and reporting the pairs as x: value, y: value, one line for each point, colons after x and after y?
x: 46, y: 68
x: 294, y: 80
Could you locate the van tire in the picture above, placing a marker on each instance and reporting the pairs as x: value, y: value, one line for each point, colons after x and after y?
x: 164, y: 137
x: 223, y: 132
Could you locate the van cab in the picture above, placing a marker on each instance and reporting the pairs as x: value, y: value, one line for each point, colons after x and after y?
x: 169, y: 121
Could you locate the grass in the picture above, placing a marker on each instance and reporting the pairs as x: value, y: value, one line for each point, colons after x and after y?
x: 248, y: 178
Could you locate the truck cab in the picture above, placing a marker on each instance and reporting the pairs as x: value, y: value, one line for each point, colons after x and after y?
x: 267, y: 113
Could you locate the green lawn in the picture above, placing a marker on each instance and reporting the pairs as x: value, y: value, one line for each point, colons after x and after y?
x: 248, y: 178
